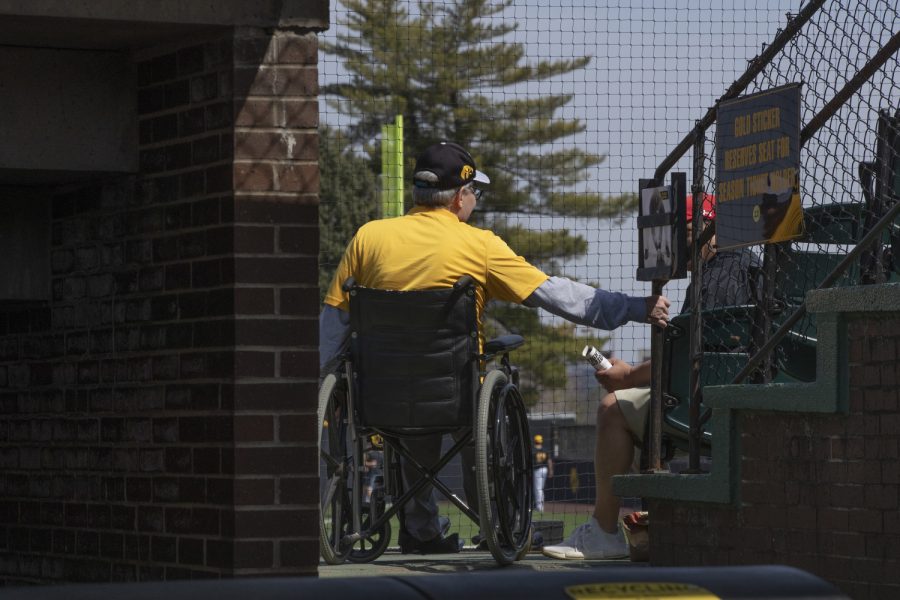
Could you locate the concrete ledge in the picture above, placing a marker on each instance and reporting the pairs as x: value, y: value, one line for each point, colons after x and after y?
x: 118, y: 25
x: 259, y: 13
x: 859, y: 299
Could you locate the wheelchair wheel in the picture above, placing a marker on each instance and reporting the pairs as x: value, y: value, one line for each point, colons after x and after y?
x: 503, y: 469
x: 338, y: 454
x: 334, y: 464
x: 527, y: 547
x: 368, y: 549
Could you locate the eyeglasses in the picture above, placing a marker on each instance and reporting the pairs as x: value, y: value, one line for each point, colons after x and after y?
x: 476, y: 191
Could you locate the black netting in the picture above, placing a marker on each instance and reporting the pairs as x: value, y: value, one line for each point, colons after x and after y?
x: 567, y: 105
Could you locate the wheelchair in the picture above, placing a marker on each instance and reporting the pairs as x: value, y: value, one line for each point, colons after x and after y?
x: 413, y: 368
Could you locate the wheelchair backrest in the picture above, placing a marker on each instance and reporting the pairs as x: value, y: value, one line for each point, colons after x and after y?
x: 415, y: 356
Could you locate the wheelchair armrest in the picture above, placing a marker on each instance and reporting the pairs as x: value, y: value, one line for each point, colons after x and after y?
x: 504, y: 343
x: 463, y: 282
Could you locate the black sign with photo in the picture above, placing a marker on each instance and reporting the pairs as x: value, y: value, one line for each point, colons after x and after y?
x: 661, y: 225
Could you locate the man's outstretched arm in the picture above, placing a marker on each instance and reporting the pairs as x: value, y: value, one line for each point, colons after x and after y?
x: 586, y: 305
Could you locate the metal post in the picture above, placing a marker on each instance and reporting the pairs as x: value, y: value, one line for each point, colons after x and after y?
x: 694, y: 338
x: 654, y: 459
x: 398, y: 167
x: 387, y: 141
x: 392, y: 168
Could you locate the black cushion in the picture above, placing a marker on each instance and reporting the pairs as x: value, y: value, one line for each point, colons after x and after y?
x: 415, y: 357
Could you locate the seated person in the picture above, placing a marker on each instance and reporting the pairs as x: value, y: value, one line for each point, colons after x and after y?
x: 432, y: 246
x: 728, y: 278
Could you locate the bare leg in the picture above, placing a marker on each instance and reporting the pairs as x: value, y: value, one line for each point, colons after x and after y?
x: 613, y: 455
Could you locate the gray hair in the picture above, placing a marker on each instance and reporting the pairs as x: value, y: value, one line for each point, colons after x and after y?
x: 430, y: 196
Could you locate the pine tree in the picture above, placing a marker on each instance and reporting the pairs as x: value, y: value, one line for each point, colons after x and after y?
x: 348, y: 193
x: 442, y: 69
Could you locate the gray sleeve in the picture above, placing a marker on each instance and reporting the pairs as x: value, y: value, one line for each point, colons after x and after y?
x: 585, y: 305
x: 334, y: 332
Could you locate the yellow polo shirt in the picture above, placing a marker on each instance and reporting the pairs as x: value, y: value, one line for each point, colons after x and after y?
x: 431, y: 248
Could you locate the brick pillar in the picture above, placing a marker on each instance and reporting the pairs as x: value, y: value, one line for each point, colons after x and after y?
x: 276, y: 184
x: 186, y: 148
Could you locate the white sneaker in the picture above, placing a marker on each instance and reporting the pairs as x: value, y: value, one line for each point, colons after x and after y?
x: 590, y: 542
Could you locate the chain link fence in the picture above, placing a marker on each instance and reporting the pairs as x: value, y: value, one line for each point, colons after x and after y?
x: 566, y: 106
x: 848, y: 175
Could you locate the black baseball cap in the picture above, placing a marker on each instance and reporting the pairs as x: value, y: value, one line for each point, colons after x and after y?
x: 453, y: 166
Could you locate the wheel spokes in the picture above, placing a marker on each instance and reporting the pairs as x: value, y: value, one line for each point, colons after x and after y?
x: 336, y: 532
x: 508, y: 471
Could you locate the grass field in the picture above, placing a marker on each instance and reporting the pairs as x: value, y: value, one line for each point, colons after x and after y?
x: 571, y: 515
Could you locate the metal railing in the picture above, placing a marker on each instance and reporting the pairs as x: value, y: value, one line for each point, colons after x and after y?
x: 880, y: 214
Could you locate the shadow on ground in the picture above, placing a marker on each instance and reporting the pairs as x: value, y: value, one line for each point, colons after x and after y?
x: 394, y: 563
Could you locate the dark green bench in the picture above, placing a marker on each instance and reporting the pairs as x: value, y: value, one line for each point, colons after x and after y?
x: 831, y: 232
x: 727, y: 338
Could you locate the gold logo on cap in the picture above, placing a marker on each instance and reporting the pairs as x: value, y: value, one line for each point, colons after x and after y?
x: 466, y: 172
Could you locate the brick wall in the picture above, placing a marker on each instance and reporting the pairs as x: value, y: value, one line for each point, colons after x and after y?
x: 158, y: 413
x: 817, y: 492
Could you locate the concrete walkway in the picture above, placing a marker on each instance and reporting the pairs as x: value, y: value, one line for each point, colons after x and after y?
x: 392, y: 563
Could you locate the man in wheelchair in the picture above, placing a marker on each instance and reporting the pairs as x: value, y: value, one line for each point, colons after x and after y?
x: 432, y: 247
x: 729, y: 278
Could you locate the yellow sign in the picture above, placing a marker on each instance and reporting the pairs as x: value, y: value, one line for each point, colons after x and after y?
x: 758, y: 168
x: 638, y: 590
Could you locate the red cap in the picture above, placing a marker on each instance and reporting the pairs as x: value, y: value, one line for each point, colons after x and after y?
x: 709, y: 207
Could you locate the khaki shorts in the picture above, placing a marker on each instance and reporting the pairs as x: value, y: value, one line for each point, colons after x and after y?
x: 635, y: 405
